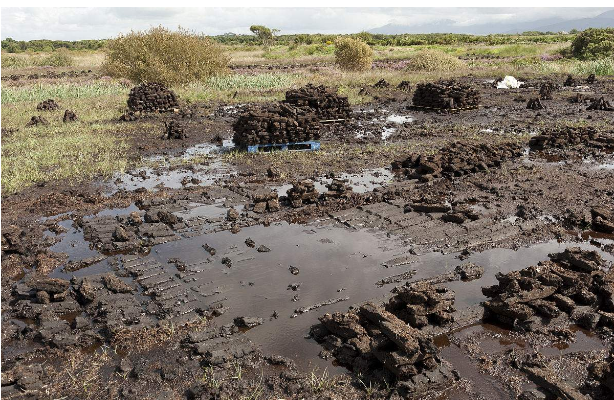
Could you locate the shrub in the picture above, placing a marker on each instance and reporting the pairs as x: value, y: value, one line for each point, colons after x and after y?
x: 434, y: 60
x: 164, y: 56
x: 353, y: 54
x: 12, y: 62
x: 593, y: 43
x: 59, y: 58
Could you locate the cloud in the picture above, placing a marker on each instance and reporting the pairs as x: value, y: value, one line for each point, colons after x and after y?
x: 100, y: 23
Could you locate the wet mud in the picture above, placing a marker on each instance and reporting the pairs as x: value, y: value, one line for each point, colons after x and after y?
x: 475, y: 263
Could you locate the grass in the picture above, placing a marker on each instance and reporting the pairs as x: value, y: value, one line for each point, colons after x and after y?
x: 321, y: 382
x: 79, y: 59
x: 34, y: 155
x: 60, y: 91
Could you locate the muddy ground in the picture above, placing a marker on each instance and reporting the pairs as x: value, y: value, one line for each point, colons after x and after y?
x: 187, y: 278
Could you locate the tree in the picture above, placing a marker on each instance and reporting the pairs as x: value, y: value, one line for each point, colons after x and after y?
x: 265, y: 34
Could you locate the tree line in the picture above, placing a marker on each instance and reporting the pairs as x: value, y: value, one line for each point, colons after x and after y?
x: 265, y: 36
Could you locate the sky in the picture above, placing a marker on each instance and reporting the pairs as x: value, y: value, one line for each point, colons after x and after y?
x: 102, y: 23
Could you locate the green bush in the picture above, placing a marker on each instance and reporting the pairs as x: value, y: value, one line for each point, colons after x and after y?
x: 164, y: 56
x: 12, y: 62
x: 434, y: 60
x: 59, y: 58
x: 593, y: 43
x: 353, y: 54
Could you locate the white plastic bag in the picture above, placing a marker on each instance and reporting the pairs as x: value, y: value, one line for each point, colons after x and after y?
x: 509, y: 82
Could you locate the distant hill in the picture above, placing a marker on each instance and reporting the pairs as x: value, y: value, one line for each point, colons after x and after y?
x: 603, y: 20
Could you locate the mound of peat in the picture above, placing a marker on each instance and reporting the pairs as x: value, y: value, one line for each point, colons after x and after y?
x: 152, y: 97
x: 573, y: 285
x: 457, y: 159
x: 447, y: 95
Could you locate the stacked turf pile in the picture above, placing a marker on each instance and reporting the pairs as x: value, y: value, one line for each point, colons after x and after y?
x: 152, y: 97
x: 47, y: 105
x: 338, y: 189
x: 319, y: 99
x: 296, y: 119
x: 276, y: 123
x: 422, y: 304
x: 447, y: 95
x: 380, y: 343
x: 302, y: 192
x: 265, y: 200
x: 69, y: 116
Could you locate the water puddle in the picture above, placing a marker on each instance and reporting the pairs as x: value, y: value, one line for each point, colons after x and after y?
x: 205, y: 149
x: 73, y: 243
x: 399, y: 119
x: 362, y: 182
x: 593, y: 164
x: 332, y: 264
x: 301, y: 272
x: 154, y: 178
x: 391, y: 125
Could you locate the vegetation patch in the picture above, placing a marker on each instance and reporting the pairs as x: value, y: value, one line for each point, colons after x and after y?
x: 163, y: 56
x: 35, y: 155
x: 593, y: 43
x: 353, y: 54
x: 434, y: 60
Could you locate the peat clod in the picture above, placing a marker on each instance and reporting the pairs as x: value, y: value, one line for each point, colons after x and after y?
x: 232, y: 214
x: 428, y: 205
x: 570, y: 81
x: 302, y: 192
x: 469, y: 271
x: 572, y: 136
x: 603, y: 372
x: 546, y: 90
x: 602, y: 219
x: 381, y: 84
x: 152, y: 97
x: 601, y: 104
x: 573, y: 285
x: 404, y: 86
x: 265, y: 200
x: 130, y: 116
x: 457, y: 159
x: 540, y: 372
x: 248, y: 322
x: 47, y: 105
x: 446, y: 95
x: 37, y: 120
x: 174, y: 129
x: 535, y: 104
x: 69, y: 116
